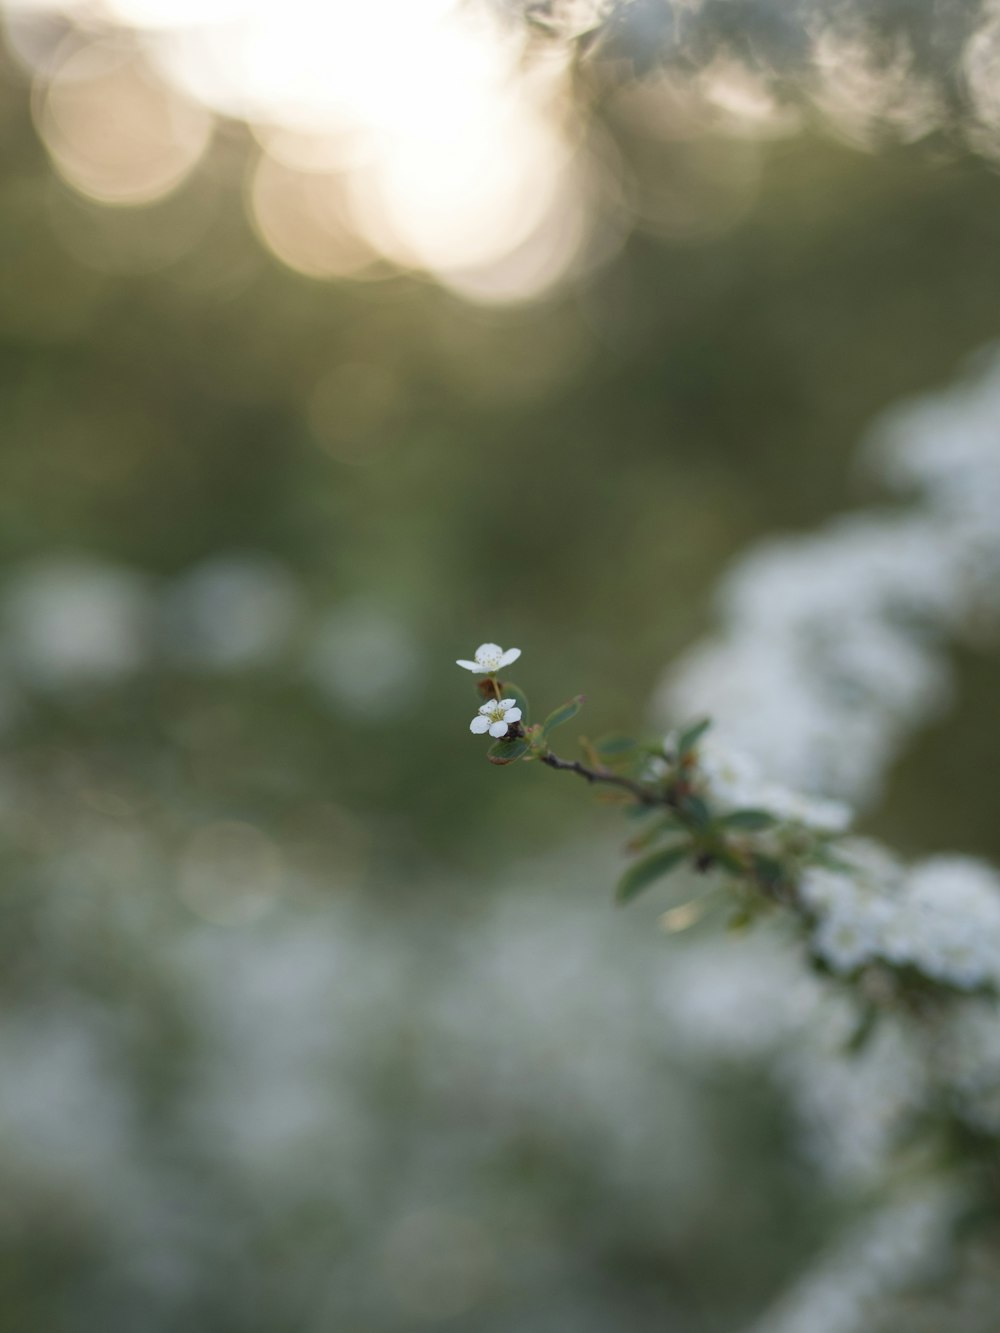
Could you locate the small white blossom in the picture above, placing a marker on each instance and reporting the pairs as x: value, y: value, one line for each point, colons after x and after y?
x: 490, y: 657
x: 495, y: 717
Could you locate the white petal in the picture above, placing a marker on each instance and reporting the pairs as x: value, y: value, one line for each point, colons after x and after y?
x: 488, y: 709
x: 498, y: 729
x: 511, y: 655
x: 512, y: 715
x: 504, y: 704
x: 488, y: 650
x: 469, y: 666
x: 479, y: 725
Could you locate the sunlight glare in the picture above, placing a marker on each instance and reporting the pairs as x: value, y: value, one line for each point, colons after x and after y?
x: 431, y: 146
x: 115, y: 131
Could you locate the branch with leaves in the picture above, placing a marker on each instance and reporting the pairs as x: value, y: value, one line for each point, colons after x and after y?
x: 763, y: 845
x: 915, y: 946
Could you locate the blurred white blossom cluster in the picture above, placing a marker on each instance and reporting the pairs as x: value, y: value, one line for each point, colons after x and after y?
x: 747, y: 1001
x: 540, y: 1069
x: 940, y: 916
x: 734, y: 780
x: 902, y: 1242
x: 77, y: 623
x: 832, y: 646
x: 831, y: 653
x: 833, y: 650
x: 539, y: 1024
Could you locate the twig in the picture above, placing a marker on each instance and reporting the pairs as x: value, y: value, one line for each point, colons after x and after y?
x: 642, y: 794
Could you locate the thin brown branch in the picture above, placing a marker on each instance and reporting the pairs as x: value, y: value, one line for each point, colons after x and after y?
x: 642, y: 794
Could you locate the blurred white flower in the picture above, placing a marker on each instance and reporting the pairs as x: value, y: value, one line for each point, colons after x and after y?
x: 831, y: 648
x: 76, y: 622
x: 495, y: 717
x: 231, y: 612
x: 490, y: 657
x: 941, y: 916
x: 365, y: 660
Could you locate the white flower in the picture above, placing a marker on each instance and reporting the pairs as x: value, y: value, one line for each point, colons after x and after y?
x: 490, y: 657
x: 495, y: 717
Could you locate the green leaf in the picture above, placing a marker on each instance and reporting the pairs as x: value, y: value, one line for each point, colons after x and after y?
x: 505, y: 752
x: 615, y: 747
x: 650, y: 868
x: 750, y: 820
x: 696, y: 810
x: 690, y: 736
x: 823, y: 856
x: 639, y: 811
x: 864, y: 1031
x: 729, y: 862
x: 512, y: 691
x: 667, y: 824
x: 562, y: 714
x: 772, y: 872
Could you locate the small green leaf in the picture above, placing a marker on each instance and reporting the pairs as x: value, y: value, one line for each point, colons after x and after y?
x: 650, y: 868
x: 696, y: 811
x: 505, y: 752
x: 639, y: 811
x: 823, y: 856
x: 864, y: 1031
x: 667, y: 824
x: 615, y: 747
x: 729, y: 862
x: 749, y: 820
x: 690, y: 736
x: 772, y: 872
x: 512, y: 691
x: 562, y: 714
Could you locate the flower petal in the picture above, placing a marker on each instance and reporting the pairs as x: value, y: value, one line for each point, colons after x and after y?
x: 504, y: 704
x: 489, y: 708
x: 469, y: 666
x: 498, y: 729
x: 490, y: 651
x: 511, y: 655
x: 479, y: 725
x: 512, y: 715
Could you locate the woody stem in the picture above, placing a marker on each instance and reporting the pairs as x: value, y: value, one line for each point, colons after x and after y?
x: 642, y: 794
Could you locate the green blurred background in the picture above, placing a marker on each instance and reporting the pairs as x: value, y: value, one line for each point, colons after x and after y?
x: 379, y: 475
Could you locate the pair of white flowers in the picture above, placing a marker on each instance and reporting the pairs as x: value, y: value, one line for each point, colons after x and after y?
x: 498, y: 715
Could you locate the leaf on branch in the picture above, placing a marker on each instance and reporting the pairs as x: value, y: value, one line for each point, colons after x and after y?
x: 823, y: 856
x: 749, y: 820
x: 690, y: 736
x: 729, y: 862
x: 697, y: 811
x: 612, y: 748
x: 684, y: 915
x: 639, y: 811
x: 648, y: 870
x: 564, y: 713
x: 741, y: 920
x: 769, y: 870
x: 864, y: 1031
x: 505, y: 752
x: 589, y: 753
x: 664, y: 825
x: 512, y: 691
